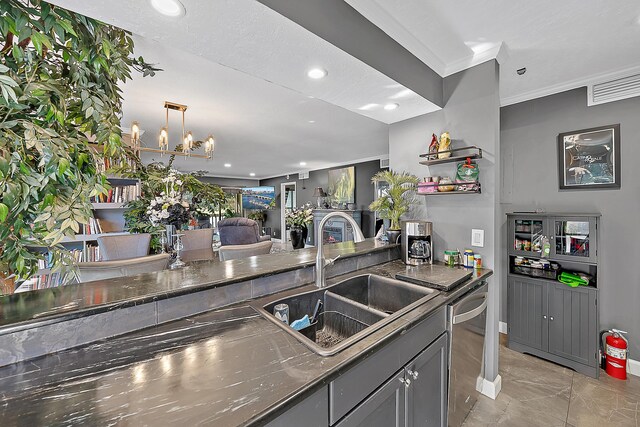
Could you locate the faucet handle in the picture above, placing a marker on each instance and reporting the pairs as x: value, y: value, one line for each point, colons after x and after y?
x: 331, y: 261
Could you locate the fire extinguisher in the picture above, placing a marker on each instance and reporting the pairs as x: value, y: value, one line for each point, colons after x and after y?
x: 614, y: 355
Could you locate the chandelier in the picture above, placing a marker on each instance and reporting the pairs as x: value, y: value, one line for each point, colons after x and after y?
x: 185, y: 148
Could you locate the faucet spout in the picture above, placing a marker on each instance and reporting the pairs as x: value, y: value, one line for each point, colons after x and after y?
x: 321, y: 263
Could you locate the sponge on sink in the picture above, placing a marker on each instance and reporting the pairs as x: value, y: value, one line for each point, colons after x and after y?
x: 301, y: 323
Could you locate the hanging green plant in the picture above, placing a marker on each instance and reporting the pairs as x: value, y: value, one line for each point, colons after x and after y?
x: 59, y: 76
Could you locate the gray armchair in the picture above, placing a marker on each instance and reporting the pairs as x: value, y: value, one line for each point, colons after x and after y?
x: 229, y: 252
x: 88, y: 271
x: 240, y: 231
x: 197, y: 239
x: 125, y: 246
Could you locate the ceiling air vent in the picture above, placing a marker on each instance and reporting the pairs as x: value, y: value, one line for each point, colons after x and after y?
x: 614, y: 90
x: 384, y: 163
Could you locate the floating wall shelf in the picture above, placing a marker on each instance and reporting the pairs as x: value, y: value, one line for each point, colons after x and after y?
x: 456, y: 155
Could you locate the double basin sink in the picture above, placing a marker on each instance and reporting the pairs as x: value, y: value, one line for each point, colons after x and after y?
x: 351, y: 310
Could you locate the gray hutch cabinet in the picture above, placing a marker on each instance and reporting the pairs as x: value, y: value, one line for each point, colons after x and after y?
x: 547, y: 318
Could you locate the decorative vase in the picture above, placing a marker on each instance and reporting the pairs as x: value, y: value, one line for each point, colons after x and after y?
x: 171, y: 230
x: 297, y: 239
x: 393, y: 235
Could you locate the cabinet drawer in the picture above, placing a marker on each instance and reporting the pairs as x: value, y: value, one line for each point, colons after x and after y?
x: 357, y: 383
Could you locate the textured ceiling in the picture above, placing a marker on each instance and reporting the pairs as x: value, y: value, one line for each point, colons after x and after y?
x: 563, y: 44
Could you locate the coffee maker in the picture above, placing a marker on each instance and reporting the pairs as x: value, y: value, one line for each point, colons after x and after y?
x: 417, y: 246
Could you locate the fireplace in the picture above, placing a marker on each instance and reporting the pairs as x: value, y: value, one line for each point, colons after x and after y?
x: 336, y: 229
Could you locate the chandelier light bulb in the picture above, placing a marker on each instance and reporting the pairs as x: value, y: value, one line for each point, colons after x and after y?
x: 163, y: 139
x: 135, y: 132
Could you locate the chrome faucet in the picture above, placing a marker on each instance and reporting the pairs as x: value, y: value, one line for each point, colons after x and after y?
x: 321, y: 263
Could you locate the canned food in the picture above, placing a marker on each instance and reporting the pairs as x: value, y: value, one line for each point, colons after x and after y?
x: 477, y: 261
x: 467, y: 258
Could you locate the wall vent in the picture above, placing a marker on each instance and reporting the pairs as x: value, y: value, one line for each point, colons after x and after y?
x: 613, y: 90
x: 384, y: 163
x: 303, y: 175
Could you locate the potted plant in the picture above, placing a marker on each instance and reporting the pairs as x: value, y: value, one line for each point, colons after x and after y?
x: 397, y: 199
x: 298, y: 219
x: 59, y: 88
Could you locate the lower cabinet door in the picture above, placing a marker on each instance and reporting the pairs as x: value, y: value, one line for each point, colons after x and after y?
x: 384, y: 408
x: 427, y: 394
x: 573, y: 323
x: 527, y: 310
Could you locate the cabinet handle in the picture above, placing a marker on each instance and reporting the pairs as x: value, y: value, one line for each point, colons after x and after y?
x: 551, y: 318
x: 412, y: 374
x: 405, y: 381
x: 544, y: 317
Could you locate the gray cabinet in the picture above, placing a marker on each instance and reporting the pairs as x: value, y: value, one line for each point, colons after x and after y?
x: 426, y: 396
x: 384, y: 408
x: 555, y: 322
x: 414, y: 396
x: 574, y: 238
x: 527, y: 311
x: 311, y: 412
x: 573, y: 323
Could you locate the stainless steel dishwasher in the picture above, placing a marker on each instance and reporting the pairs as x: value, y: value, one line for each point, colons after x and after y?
x: 466, y: 322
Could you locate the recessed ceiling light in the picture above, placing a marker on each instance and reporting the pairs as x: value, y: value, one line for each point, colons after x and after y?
x: 172, y: 8
x: 252, y: 174
x: 312, y: 121
x: 227, y: 165
x: 303, y: 163
x: 390, y: 107
x: 317, y: 73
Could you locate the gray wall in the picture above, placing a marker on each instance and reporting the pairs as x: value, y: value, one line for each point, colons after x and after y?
x: 320, y: 178
x: 528, y: 135
x: 472, y: 116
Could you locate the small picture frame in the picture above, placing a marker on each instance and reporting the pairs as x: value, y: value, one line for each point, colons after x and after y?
x: 589, y: 159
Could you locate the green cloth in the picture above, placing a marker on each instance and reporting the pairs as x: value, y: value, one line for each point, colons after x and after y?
x: 572, y: 280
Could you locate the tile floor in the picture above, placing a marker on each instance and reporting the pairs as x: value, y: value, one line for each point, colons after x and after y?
x: 539, y: 393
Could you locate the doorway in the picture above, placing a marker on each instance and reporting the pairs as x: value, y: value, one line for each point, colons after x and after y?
x: 287, y: 203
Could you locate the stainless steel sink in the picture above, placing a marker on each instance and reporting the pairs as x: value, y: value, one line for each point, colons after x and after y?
x: 352, y: 309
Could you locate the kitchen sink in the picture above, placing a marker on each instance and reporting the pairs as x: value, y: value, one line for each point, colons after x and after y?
x: 351, y: 310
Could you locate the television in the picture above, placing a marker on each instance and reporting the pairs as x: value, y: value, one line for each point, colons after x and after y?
x: 258, y: 198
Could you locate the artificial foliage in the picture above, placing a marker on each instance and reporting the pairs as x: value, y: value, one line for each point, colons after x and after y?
x: 398, y: 197
x: 59, y: 77
x: 159, y: 182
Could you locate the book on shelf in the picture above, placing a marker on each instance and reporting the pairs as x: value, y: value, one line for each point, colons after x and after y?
x: 91, y: 253
x: 106, y: 163
x: 119, y: 194
x: 48, y: 261
x: 93, y: 226
x: 43, y: 281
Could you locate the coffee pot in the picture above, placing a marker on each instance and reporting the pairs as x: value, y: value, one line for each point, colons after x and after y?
x: 416, y: 245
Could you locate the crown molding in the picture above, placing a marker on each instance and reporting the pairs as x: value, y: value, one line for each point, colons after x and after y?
x: 375, y: 13
x: 568, y: 85
x: 498, y: 52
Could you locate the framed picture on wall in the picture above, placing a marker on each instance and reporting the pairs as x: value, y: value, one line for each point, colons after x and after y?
x: 342, y: 185
x: 589, y: 158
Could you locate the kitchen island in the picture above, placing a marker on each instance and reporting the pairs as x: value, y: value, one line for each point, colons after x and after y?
x: 226, y: 367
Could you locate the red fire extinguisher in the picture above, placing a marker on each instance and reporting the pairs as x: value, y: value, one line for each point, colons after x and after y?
x: 615, y: 354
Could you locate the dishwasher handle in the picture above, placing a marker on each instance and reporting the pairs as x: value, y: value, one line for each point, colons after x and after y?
x: 463, y: 317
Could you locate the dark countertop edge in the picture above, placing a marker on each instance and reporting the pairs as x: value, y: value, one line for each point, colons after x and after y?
x: 408, y: 321
x: 157, y: 296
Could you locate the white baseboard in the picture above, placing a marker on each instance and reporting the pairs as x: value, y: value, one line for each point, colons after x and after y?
x: 491, y: 389
x: 502, y: 327
x: 634, y: 367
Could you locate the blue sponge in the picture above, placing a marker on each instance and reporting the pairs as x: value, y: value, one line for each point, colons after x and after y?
x: 301, y: 323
